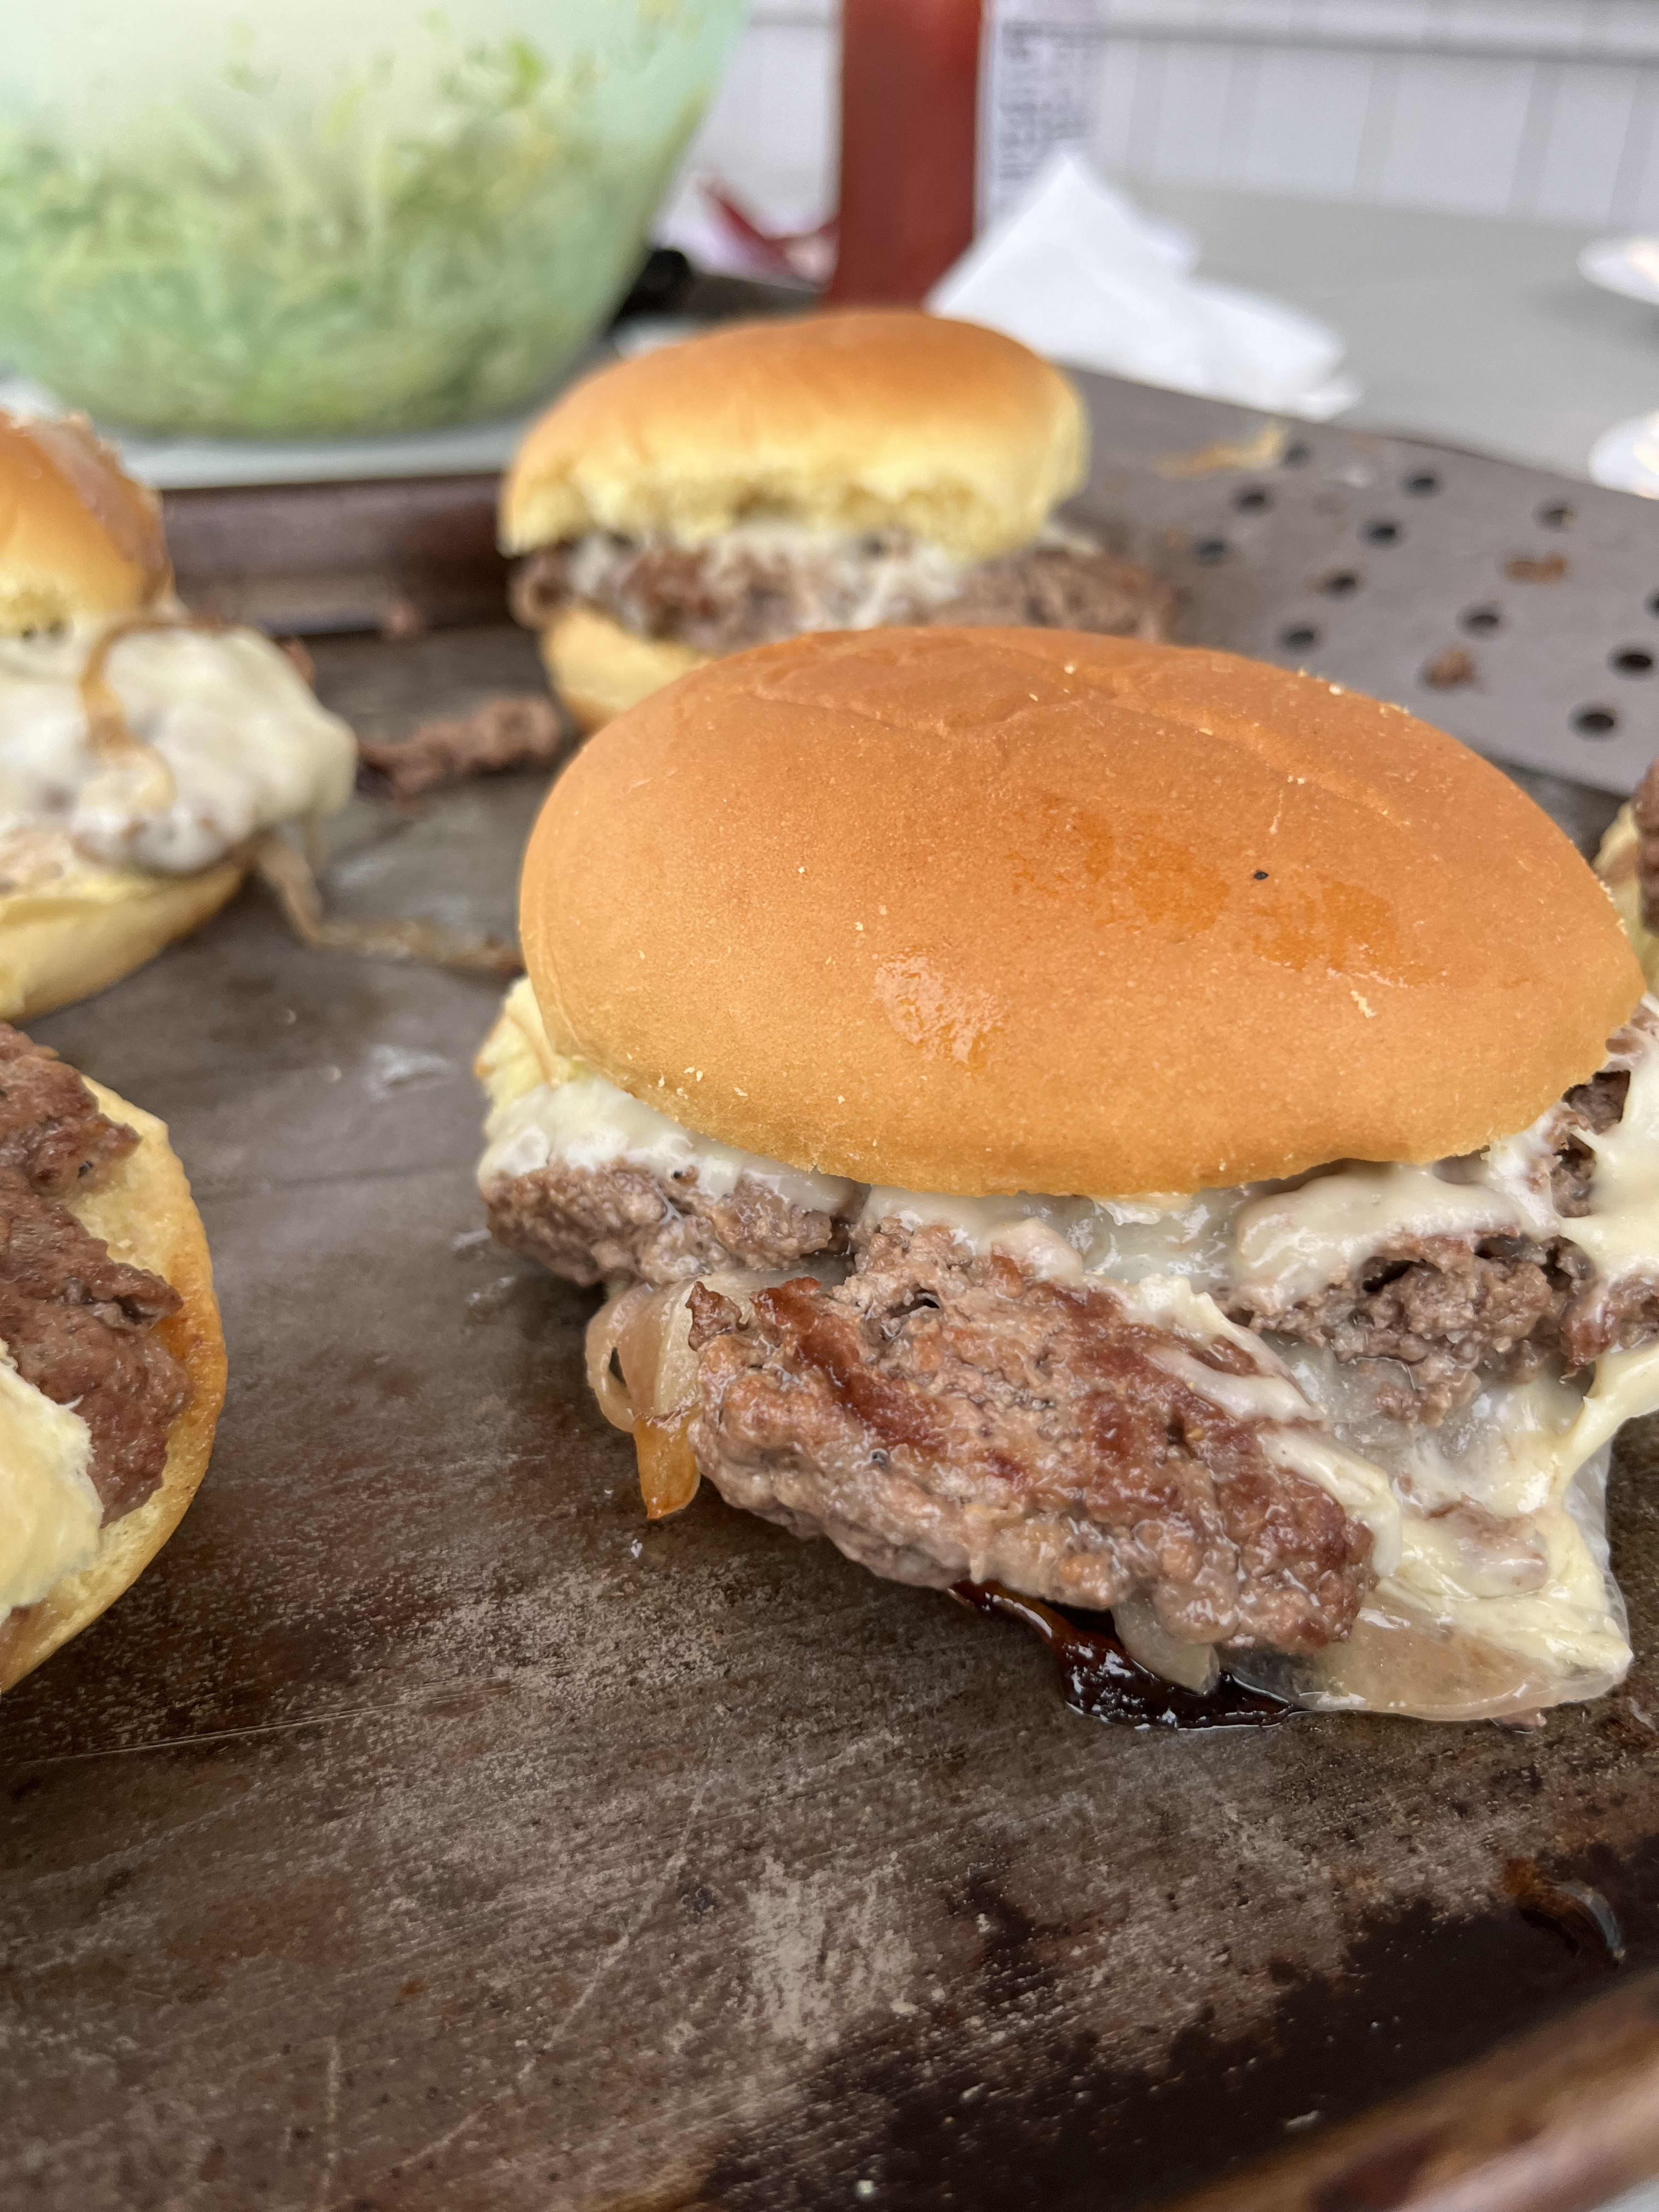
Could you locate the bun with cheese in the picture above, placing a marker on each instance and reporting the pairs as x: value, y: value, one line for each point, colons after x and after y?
x: 1128, y: 1124
x: 142, y: 754
x: 834, y: 470
x: 114, y: 1366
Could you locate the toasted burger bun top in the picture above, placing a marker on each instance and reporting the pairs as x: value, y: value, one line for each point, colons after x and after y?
x: 143, y: 1209
x: 992, y: 910
x: 856, y: 421
x: 79, y: 539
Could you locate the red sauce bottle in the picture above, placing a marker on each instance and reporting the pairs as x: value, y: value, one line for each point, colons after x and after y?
x: 909, y: 79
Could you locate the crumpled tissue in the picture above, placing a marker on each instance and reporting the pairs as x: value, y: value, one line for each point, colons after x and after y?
x: 1076, y: 271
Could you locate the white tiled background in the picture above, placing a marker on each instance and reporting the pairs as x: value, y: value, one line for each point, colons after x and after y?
x: 1547, y: 108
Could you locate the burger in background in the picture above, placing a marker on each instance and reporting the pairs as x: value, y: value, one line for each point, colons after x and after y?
x: 143, y: 754
x: 1157, y: 1133
x: 836, y: 471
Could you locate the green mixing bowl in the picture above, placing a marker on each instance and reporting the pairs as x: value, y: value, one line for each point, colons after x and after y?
x: 336, y: 217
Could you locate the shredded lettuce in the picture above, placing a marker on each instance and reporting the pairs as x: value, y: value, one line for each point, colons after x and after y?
x: 279, y: 275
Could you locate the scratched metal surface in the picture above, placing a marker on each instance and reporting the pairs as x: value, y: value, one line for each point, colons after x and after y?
x: 423, y: 1831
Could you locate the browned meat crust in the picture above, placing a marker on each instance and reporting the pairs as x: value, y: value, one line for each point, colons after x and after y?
x: 939, y: 1416
x: 522, y: 732
x: 594, y: 1224
x: 75, y: 1321
x: 720, y: 597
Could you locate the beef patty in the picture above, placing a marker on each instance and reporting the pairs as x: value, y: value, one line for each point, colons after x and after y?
x: 1449, y: 1314
x: 605, y: 1224
x: 75, y: 1322
x: 729, y: 593
x: 940, y: 1416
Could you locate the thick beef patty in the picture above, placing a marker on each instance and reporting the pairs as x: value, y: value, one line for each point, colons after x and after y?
x: 939, y: 1416
x: 76, y: 1322
x: 729, y: 593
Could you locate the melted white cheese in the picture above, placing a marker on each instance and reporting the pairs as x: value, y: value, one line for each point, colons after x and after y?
x: 1299, y: 1241
x: 855, y: 582
x: 236, y: 742
x: 1128, y: 1239
x: 588, y: 1122
x: 50, y: 1515
x: 1623, y: 1197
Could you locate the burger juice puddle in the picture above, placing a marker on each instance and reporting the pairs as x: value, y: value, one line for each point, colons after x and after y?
x: 1098, y: 1677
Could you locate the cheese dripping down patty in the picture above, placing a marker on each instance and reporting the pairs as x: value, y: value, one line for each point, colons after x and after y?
x: 230, y: 741
x: 1493, y: 1594
x: 50, y: 1513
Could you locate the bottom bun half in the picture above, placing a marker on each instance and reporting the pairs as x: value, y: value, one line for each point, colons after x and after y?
x: 58, y: 945
x: 143, y: 1210
x: 600, y: 669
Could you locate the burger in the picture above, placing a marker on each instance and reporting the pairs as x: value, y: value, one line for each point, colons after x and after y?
x: 143, y: 754
x: 834, y: 472
x: 1157, y: 1133
x: 112, y: 1372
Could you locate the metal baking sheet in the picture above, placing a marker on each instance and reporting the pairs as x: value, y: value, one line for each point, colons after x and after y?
x: 425, y: 1830
x: 1518, y: 609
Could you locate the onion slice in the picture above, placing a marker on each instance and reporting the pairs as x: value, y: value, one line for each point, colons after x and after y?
x: 645, y: 1332
x: 288, y: 874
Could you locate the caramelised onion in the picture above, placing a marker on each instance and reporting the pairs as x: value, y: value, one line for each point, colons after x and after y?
x: 645, y: 1333
x: 290, y: 875
x: 668, y: 1467
x: 604, y: 1335
x: 633, y: 1330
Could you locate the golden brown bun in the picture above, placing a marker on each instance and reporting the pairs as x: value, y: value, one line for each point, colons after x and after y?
x: 992, y: 910
x: 79, y: 539
x: 1616, y: 865
x: 143, y: 1210
x: 862, y: 420
x: 600, y: 669
x: 56, y: 947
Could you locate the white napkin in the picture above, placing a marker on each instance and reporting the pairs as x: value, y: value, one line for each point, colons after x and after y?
x: 1076, y: 271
